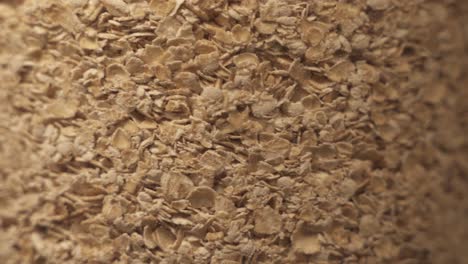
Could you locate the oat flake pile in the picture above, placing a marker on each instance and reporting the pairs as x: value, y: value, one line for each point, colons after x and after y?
x: 233, y: 131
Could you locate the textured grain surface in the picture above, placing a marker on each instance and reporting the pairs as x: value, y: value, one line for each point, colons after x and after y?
x: 215, y: 131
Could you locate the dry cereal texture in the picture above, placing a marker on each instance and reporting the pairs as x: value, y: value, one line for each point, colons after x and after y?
x: 234, y: 131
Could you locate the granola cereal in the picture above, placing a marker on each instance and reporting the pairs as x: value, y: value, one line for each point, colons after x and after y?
x: 243, y: 131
